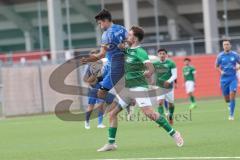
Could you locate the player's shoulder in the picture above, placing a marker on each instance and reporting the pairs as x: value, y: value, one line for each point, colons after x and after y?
x: 192, y: 67
x: 142, y: 50
x: 220, y: 54
x: 170, y: 61
x: 234, y: 53
x: 185, y: 67
x: 155, y: 62
x: 116, y: 27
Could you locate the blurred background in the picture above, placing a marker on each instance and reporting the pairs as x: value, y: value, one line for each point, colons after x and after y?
x: 38, y: 35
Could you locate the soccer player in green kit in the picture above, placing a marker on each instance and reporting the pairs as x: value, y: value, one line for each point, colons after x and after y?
x: 137, y: 68
x: 189, y: 77
x: 165, y: 75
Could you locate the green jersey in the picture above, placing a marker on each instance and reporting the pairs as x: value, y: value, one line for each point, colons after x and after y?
x: 135, y: 58
x: 188, y: 73
x: 163, y: 71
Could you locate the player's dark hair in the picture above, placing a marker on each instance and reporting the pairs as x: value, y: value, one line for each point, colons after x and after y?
x: 138, y: 32
x: 226, y: 40
x: 162, y: 50
x: 187, y: 59
x: 103, y: 15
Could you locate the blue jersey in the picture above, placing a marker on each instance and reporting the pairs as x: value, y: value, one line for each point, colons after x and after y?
x: 227, y: 63
x: 111, y: 38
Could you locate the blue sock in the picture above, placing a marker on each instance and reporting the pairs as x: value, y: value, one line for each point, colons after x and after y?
x: 88, y: 114
x: 100, y: 117
x: 232, y: 107
x: 166, y: 105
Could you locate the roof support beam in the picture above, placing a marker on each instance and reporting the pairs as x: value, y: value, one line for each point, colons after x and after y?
x: 171, y: 12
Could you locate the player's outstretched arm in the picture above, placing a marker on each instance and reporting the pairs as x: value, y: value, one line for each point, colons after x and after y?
x: 172, y: 78
x: 95, y: 57
x: 149, y: 70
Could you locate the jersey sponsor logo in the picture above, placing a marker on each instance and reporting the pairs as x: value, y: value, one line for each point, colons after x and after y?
x: 165, y: 65
x: 118, y: 32
x: 129, y: 60
x: 162, y: 70
x: 232, y: 59
x: 132, y: 53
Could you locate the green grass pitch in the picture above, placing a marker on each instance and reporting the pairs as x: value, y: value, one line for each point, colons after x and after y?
x: 208, y: 134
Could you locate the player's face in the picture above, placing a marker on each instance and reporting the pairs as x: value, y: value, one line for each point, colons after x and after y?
x: 162, y: 55
x: 131, y: 39
x: 227, y: 46
x: 103, y: 24
x: 186, y: 62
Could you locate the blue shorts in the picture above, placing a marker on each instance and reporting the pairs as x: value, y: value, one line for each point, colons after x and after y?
x: 229, y: 86
x: 112, y: 73
x: 92, y: 96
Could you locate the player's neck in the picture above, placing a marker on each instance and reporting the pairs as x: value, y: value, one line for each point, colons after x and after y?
x: 227, y: 51
x: 163, y: 60
x: 135, y: 45
x: 110, y: 25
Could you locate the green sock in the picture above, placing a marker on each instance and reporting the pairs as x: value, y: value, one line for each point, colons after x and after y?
x: 160, y: 110
x: 192, y: 99
x: 171, y: 112
x: 167, y: 127
x: 112, y: 134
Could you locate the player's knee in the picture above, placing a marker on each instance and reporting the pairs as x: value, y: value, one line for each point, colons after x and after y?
x: 171, y: 105
x: 90, y: 108
x: 102, y: 94
x: 232, y: 95
x: 227, y: 99
x: 161, y: 102
x: 150, y: 113
x: 112, y: 114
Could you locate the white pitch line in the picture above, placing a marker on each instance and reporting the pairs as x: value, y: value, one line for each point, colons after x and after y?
x: 174, y: 158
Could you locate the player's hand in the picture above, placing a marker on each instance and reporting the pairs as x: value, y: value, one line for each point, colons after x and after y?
x: 83, y: 60
x: 167, y: 84
x: 91, y: 58
x: 122, y: 46
x: 92, y: 80
x: 147, y: 74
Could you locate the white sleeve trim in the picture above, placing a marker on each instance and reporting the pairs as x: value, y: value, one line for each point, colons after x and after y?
x: 174, y: 75
x: 147, y: 61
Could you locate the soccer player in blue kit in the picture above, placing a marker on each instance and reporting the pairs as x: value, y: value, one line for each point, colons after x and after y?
x: 112, y: 37
x: 226, y: 62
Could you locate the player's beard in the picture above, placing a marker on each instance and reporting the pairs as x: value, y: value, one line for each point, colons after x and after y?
x: 129, y: 43
x: 162, y: 59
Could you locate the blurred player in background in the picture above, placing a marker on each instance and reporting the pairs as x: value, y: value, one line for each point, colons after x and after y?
x: 93, y: 76
x: 189, y: 73
x: 112, y: 36
x: 137, y: 68
x: 166, y: 74
x: 226, y: 62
